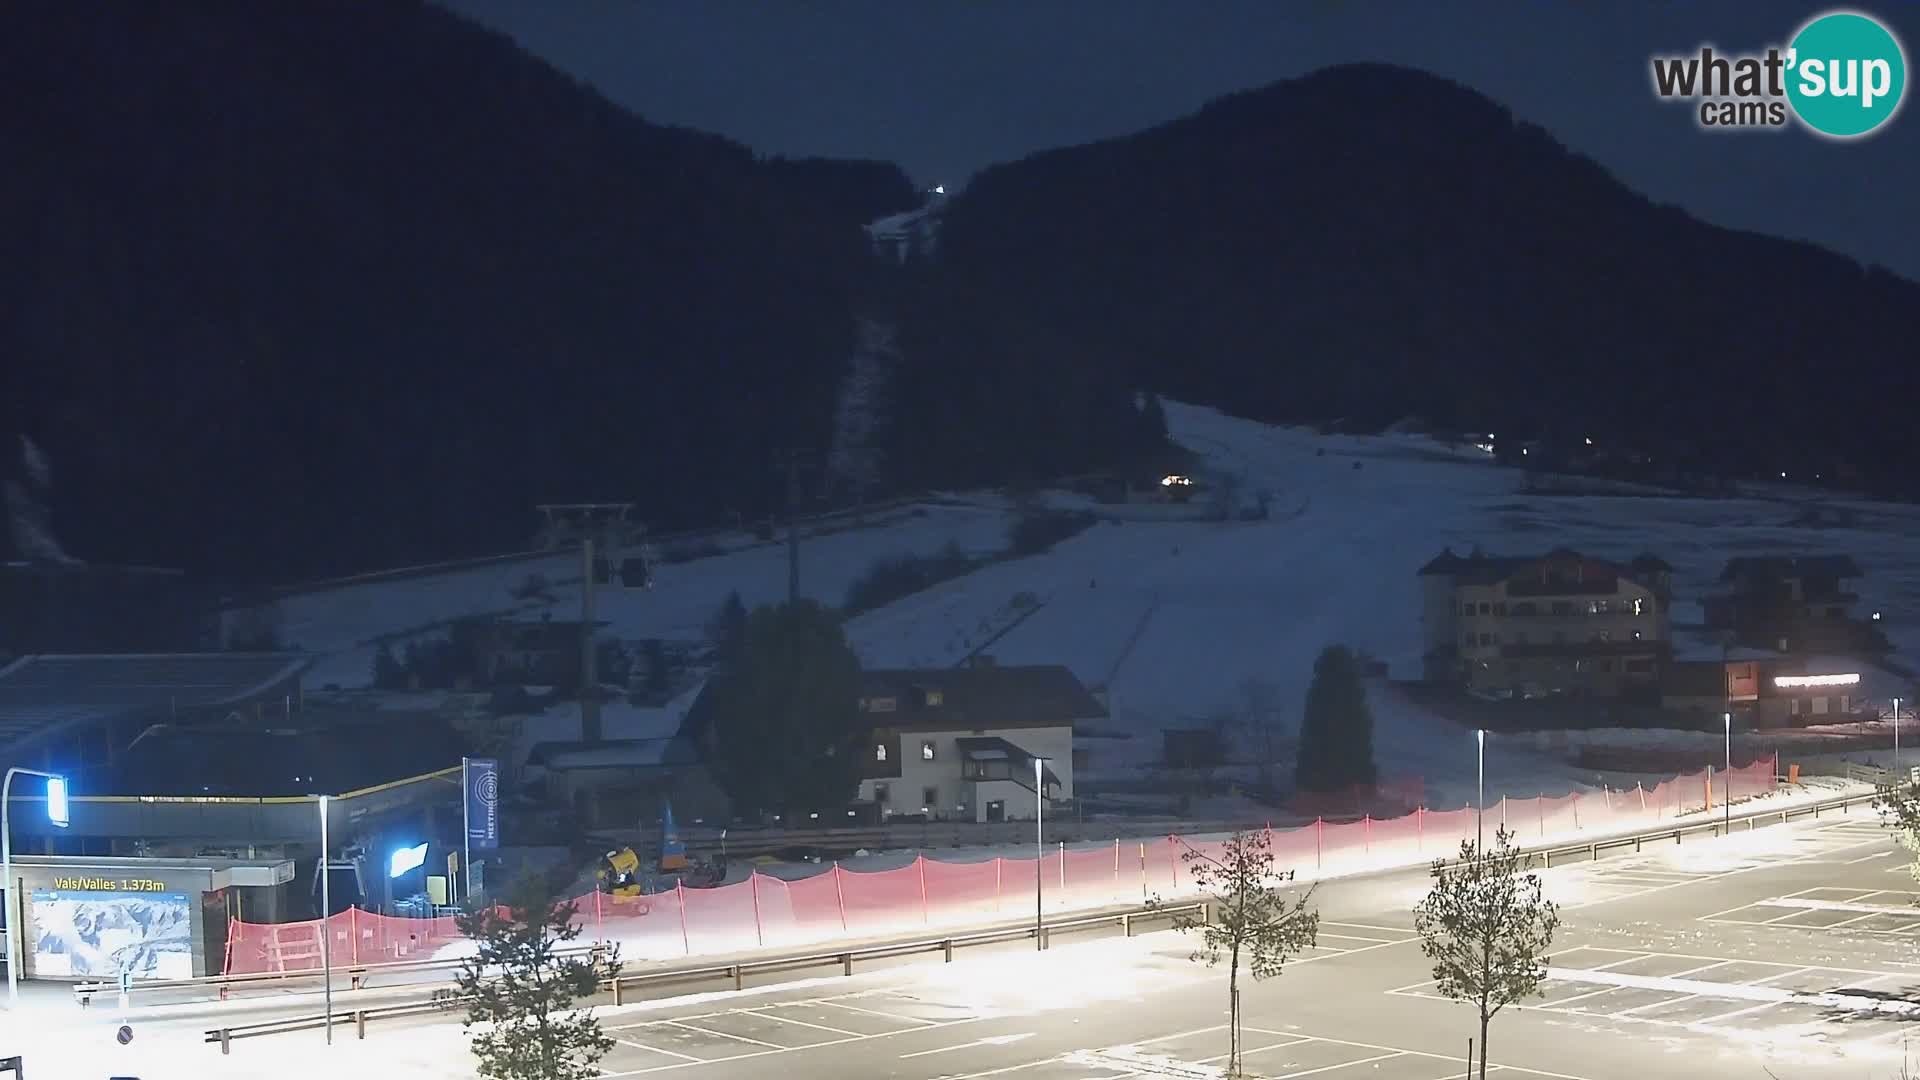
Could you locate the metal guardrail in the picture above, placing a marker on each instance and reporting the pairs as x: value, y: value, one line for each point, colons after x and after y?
x: 1709, y: 824
x: 444, y: 1000
x: 356, y: 975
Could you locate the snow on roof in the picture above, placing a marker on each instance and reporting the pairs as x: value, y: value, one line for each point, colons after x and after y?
x: 619, y: 721
x: 41, y: 693
x: 624, y: 754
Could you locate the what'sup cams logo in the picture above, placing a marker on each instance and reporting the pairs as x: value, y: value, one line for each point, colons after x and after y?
x: 1842, y: 76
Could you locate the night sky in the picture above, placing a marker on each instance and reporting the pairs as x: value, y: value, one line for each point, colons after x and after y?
x: 948, y: 88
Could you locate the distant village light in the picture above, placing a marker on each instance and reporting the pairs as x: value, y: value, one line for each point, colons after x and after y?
x: 1589, y: 442
x: 1173, y: 481
x: 1790, y: 681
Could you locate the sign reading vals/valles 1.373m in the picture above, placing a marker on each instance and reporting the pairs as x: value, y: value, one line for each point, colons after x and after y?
x: 98, y: 884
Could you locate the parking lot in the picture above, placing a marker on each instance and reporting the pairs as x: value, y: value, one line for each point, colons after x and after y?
x: 1726, y: 996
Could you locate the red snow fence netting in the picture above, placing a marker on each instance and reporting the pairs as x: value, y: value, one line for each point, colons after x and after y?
x: 771, y: 912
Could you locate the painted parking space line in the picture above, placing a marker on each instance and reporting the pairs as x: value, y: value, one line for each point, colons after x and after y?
x: 766, y: 1012
x: 658, y: 1050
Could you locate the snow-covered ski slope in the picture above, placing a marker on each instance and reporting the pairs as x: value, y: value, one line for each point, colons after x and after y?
x: 343, y: 623
x: 1172, y: 617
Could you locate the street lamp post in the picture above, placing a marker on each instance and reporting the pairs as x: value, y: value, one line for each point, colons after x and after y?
x: 326, y: 923
x: 1896, y: 740
x: 1039, y: 852
x: 1726, y: 782
x: 57, y: 814
x: 1480, y: 803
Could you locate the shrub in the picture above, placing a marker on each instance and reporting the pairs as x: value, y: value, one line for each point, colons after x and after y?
x: 1032, y: 534
x: 889, y: 579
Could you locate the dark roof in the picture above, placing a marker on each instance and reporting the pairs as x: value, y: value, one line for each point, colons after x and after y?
x: 994, y: 748
x: 341, y: 754
x: 1479, y: 569
x: 977, y: 698
x: 1790, y: 566
x: 39, y: 694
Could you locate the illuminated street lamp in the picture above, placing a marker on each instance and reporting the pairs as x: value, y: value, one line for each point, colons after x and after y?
x: 57, y: 813
x: 1480, y: 805
x: 1039, y: 852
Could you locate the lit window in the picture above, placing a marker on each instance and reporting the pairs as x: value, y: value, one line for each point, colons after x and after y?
x: 926, y: 751
x: 879, y: 751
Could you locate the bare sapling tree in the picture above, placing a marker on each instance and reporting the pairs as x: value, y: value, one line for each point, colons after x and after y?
x: 1486, y: 926
x: 1899, y: 807
x: 1253, y: 918
x: 520, y: 989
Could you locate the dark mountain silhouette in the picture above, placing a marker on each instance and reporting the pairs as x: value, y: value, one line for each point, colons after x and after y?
x: 296, y: 289
x: 1370, y: 242
x: 291, y: 289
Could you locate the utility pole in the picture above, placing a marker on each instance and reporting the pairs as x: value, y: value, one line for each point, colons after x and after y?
x: 589, y: 679
x: 792, y: 461
x: 604, y: 531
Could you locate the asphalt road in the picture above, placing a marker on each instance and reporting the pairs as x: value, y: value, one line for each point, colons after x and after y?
x: 1790, y: 952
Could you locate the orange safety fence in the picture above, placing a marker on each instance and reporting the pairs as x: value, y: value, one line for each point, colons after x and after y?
x: 770, y: 912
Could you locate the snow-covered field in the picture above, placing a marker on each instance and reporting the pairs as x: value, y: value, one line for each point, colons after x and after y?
x: 1172, y: 618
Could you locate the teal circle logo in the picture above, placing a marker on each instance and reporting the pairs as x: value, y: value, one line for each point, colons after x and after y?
x: 1846, y: 74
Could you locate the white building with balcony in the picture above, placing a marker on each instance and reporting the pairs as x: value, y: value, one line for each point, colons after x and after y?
x: 1562, y: 622
x: 961, y: 743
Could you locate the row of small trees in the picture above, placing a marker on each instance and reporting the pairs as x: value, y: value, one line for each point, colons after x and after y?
x: 1485, y: 924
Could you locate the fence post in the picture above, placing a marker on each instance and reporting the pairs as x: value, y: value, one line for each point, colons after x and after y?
x: 1143, y: 870
x: 840, y: 897
x: 920, y: 867
x: 353, y: 927
x: 753, y: 884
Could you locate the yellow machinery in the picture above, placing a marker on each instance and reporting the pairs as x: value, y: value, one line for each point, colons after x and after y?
x: 619, y: 872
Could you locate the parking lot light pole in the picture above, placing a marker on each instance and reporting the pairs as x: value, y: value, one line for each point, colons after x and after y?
x: 1726, y: 782
x: 1896, y: 740
x: 1039, y: 852
x: 326, y: 921
x: 57, y: 814
x: 1480, y: 803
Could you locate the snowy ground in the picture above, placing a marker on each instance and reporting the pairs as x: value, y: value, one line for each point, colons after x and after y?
x: 1172, y: 618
